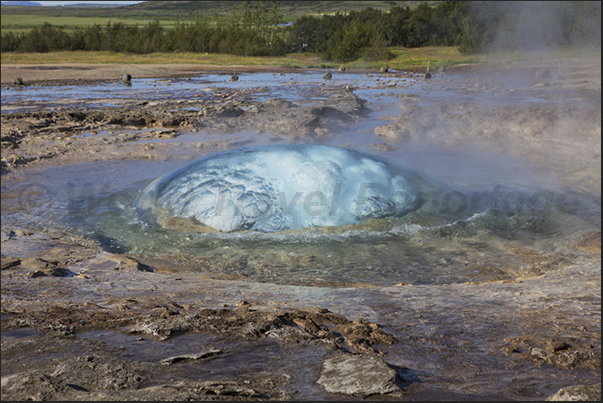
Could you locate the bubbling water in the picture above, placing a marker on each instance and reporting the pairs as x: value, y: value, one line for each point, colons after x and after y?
x: 282, y: 187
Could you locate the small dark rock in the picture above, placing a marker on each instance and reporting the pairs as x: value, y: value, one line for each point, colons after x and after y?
x: 446, y: 231
x: 223, y: 111
x: 278, y: 103
x: 555, y: 345
x: 543, y: 73
x: 58, y: 272
x: 9, y: 262
x: 208, y: 354
x: 144, y: 267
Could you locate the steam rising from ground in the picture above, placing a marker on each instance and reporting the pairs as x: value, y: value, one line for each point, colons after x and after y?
x: 539, y: 25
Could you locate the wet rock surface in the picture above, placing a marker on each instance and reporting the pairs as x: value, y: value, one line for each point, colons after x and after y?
x: 577, y: 393
x: 112, y: 331
x: 84, y: 322
x: 71, y: 136
x: 358, y: 376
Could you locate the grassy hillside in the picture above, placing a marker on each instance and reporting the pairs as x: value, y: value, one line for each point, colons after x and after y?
x: 290, y: 9
x: 17, y: 19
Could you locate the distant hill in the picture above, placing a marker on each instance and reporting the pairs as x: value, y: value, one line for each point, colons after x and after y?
x: 21, y: 3
x: 93, y: 5
x: 287, y: 8
x: 187, y: 10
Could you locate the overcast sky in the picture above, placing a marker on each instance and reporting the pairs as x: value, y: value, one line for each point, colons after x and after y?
x: 57, y: 3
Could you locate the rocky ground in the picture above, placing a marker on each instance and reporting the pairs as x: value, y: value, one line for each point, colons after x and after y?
x: 31, y: 137
x: 80, y: 323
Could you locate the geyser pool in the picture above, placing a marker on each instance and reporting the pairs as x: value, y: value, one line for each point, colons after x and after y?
x: 282, y: 187
x: 439, y: 242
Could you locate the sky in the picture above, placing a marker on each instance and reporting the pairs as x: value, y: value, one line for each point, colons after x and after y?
x: 64, y: 3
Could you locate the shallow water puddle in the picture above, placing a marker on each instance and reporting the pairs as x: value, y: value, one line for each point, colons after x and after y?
x: 20, y: 333
x: 201, y: 356
x: 146, y: 349
x: 292, y: 87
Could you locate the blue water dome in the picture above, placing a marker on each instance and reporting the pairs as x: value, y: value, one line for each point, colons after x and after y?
x: 282, y: 187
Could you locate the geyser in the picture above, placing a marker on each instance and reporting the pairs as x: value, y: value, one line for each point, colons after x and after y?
x: 275, y: 188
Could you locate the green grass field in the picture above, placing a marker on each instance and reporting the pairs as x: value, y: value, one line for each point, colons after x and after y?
x: 406, y: 59
x: 22, y: 23
x: 20, y: 19
x: 409, y: 59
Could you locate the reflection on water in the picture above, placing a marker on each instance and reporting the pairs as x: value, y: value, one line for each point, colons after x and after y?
x: 295, y: 87
x: 494, y: 235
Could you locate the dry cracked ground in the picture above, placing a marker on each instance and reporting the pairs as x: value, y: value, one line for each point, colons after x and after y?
x: 81, y: 323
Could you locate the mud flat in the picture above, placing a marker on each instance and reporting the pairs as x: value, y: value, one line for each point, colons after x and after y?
x: 89, y: 314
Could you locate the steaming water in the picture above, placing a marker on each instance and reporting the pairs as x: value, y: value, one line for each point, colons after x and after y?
x: 440, y: 242
x: 260, y: 188
x: 452, y: 222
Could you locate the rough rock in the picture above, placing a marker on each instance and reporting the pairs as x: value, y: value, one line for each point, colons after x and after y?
x: 9, y: 262
x: 358, y: 375
x: 392, y: 132
x: 570, y: 359
x: 225, y: 111
x: 543, y: 73
x: 178, y: 358
x: 577, y: 393
x: 41, y: 268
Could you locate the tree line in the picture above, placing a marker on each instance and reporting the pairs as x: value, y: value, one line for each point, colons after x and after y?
x: 256, y: 29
